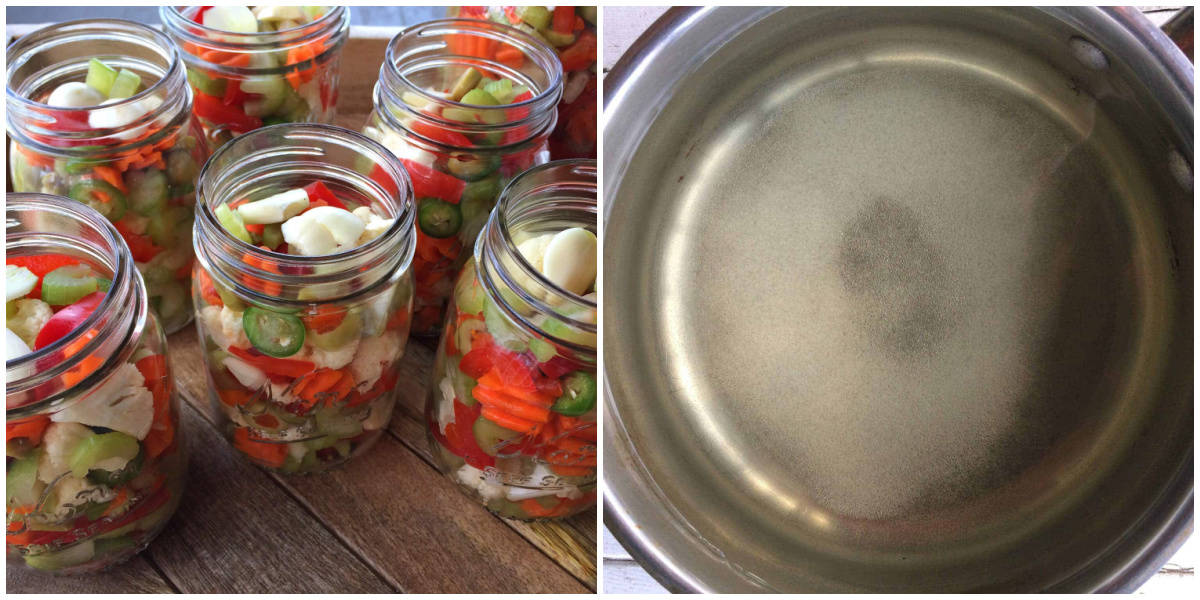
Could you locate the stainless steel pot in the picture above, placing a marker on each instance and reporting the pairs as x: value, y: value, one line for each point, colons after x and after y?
x: 899, y: 299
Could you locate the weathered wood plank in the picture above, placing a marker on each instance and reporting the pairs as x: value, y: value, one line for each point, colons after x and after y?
x: 407, y: 520
x: 418, y: 530
x: 564, y: 541
x: 237, y: 531
x: 134, y: 577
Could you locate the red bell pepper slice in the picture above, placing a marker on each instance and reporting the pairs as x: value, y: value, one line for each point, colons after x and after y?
x: 431, y: 183
x: 440, y: 134
x: 564, y: 19
x: 581, y: 54
x: 66, y: 320
x: 30, y: 429
x: 213, y: 109
x: 319, y: 195
x: 459, y: 438
x: 142, y: 247
x: 286, y: 367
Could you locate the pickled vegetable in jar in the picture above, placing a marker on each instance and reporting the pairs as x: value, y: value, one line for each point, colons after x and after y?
x: 94, y: 460
x: 512, y: 407
x: 252, y: 66
x: 466, y: 105
x: 572, y: 32
x: 303, y: 291
x: 99, y: 111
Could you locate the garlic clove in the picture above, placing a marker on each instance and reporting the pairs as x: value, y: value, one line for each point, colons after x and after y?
x: 275, y: 209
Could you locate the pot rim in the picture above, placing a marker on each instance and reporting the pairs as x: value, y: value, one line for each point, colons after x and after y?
x: 1173, y: 514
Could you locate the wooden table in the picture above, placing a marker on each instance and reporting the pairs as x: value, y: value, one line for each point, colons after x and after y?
x: 385, y: 522
x: 622, y: 575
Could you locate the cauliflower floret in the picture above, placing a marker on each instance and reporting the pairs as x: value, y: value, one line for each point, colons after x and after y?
x: 224, y: 326
x: 336, y: 358
x: 475, y: 479
x: 31, y: 316
x: 280, y: 394
x: 121, y: 403
x: 373, y: 354
x: 58, y: 443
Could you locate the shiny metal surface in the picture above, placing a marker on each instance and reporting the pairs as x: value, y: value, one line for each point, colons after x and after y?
x: 899, y: 299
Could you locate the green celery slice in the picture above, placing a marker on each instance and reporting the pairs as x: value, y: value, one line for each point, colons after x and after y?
x: 125, y: 85
x: 68, y: 285
x: 232, y: 222
x: 100, y: 76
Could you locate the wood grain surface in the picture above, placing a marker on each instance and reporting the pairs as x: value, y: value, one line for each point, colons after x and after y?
x: 385, y: 522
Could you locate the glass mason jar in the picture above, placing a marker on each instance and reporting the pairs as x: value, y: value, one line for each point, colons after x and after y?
x: 243, y: 81
x: 134, y: 160
x: 302, y: 352
x: 512, y: 408
x: 460, y: 155
x: 572, y: 32
x: 95, y: 465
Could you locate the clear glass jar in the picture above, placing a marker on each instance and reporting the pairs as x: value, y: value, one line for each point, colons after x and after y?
x: 243, y: 81
x: 572, y: 32
x: 135, y: 160
x: 512, y: 407
x: 327, y: 395
x: 460, y: 155
x: 95, y: 464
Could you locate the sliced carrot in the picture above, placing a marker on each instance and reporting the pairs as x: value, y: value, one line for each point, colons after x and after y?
x: 508, y: 421
x: 255, y: 228
x: 35, y: 159
x: 324, y: 318
x: 511, y: 405
x: 507, y: 55
x: 262, y: 451
x: 235, y: 397
x: 342, y: 388
x: 112, y: 176
x: 30, y: 429
x: 208, y: 291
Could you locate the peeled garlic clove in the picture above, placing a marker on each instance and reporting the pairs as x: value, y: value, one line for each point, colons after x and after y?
x: 75, y: 94
x: 115, y: 117
x: 570, y: 260
x: 341, y: 223
x: 275, y: 209
x: 534, y: 250
x: 306, y: 236
x: 237, y: 19
x: 375, y: 229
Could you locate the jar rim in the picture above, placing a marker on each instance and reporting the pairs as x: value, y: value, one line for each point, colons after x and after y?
x: 122, y: 281
x: 390, y: 59
x: 497, y: 231
x: 175, y: 21
x: 403, y: 225
x: 172, y: 54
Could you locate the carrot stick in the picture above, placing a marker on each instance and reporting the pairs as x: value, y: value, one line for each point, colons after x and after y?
x: 507, y: 421
x: 112, y: 176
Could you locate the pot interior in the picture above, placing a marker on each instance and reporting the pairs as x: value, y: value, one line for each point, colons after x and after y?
x: 911, y: 307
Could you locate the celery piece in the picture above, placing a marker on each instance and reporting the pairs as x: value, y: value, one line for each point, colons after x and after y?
x: 501, y: 90
x: 232, y: 222
x: 68, y: 285
x: 100, y: 76
x: 538, y: 17
x: 125, y: 85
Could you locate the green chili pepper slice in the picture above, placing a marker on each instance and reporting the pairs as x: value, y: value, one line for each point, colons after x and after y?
x: 92, y: 193
x: 438, y: 218
x: 579, y: 395
x: 68, y: 285
x: 272, y: 333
